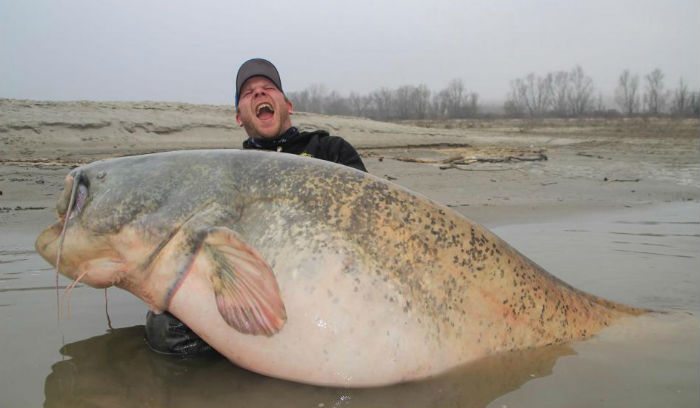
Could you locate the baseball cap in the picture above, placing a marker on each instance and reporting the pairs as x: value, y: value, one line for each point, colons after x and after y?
x: 256, y: 67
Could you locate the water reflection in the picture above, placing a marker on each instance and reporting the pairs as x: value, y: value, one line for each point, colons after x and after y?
x: 117, y: 369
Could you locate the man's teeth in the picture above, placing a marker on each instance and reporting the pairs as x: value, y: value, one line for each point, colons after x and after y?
x: 263, y: 106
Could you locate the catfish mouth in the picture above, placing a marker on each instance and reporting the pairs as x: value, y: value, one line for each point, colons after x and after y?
x: 70, y: 205
x: 264, y: 111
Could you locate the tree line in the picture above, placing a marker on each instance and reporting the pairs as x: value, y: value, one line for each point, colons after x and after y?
x: 555, y: 94
x: 405, y: 102
x: 573, y: 94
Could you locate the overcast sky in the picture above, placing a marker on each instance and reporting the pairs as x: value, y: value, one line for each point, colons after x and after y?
x: 189, y: 51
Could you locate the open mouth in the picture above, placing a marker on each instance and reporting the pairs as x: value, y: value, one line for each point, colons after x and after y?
x: 264, y: 111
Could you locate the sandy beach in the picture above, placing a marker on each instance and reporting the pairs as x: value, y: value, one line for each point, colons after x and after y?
x: 611, y: 206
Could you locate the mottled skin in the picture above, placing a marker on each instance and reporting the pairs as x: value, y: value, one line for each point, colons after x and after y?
x: 380, y: 285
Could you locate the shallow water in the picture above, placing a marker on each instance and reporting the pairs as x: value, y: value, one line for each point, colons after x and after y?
x: 645, y: 257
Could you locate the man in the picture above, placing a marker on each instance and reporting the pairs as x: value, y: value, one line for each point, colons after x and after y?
x: 264, y: 112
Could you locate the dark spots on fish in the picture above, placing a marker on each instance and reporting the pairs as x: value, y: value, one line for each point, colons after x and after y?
x: 432, y: 256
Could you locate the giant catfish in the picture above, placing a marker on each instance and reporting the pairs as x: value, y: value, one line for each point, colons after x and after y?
x: 309, y: 271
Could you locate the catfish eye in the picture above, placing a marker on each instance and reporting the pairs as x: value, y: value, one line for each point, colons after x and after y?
x: 80, y: 199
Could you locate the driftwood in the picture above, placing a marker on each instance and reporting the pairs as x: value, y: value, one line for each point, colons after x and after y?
x: 461, y: 167
x: 459, y: 159
x: 429, y: 161
x: 594, y: 156
x: 539, y: 156
x: 622, y: 180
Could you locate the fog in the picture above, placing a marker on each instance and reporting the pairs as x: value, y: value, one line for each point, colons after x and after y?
x: 189, y: 51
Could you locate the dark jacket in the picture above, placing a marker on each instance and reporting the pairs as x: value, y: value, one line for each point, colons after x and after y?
x: 318, y: 144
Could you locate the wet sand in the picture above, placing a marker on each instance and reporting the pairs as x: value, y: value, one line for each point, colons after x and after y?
x: 614, y: 210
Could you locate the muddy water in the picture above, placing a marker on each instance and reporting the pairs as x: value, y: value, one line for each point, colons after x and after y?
x: 646, y: 257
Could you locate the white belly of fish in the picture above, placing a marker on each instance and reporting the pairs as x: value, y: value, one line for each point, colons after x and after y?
x: 340, y: 330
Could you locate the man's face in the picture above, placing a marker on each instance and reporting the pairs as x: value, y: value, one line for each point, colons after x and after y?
x: 263, y: 111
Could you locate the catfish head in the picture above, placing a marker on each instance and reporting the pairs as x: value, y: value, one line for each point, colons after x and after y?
x: 144, y: 223
x: 85, y: 254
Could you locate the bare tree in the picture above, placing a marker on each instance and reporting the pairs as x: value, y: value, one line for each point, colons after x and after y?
x: 626, y: 95
x: 455, y: 101
x: 412, y: 102
x: 450, y: 99
x: 561, y: 88
x: 600, y: 105
x: 317, y: 96
x: 680, y: 103
x: 694, y: 104
x: 300, y: 100
x: 441, y: 104
x: 516, y: 102
x: 581, y: 95
x: 403, y: 102
x: 472, y: 104
x: 654, y: 98
x: 311, y: 99
x: 336, y: 104
x: 360, y: 105
x: 533, y: 93
x: 421, y: 97
x: 382, y: 104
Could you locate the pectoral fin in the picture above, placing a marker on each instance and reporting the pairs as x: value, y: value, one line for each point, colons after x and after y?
x: 247, y: 294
